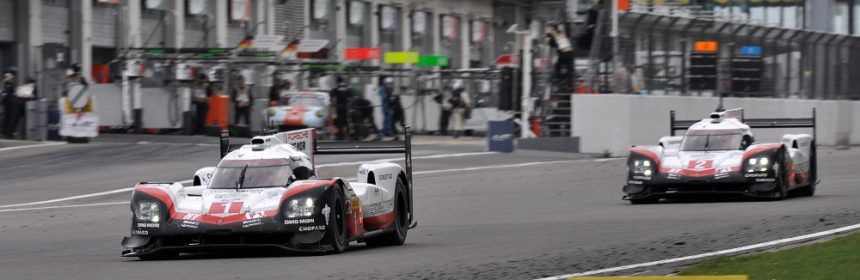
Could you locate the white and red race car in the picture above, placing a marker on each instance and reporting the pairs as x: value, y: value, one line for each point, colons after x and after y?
x: 267, y: 194
x: 718, y: 155
x: 305, y: 109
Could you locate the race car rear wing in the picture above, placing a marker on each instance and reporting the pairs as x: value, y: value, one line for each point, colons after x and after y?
x: 675, y: 124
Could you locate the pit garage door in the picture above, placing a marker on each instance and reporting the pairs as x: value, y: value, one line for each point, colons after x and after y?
x: 104, y: 24
x: 55, y: 21
x: 152, y: 29
x: 195, y: 31
x: 7, y: 20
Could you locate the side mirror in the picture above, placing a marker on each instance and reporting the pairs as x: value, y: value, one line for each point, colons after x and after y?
x: 194, y: 190
x: 203, y: 176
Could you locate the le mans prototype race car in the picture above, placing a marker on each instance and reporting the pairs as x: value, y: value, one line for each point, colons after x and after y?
x: 307, y: 109
x: 267, y: 194
x: 718, y: 155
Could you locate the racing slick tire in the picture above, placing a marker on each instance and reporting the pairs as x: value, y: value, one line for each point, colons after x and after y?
x: 782, y: 179
x: 336, y: 233
x: 813, y: 179
x: 397, y: 236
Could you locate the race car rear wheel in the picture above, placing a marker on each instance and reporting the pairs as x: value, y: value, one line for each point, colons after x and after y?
x: 813, y: 178
x: 336, y: 233
x: 397, y: 236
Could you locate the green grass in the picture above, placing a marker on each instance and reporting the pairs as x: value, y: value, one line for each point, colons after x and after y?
x: 831, y: 260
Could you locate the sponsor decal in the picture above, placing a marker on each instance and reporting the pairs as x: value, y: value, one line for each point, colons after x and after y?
x: 147, y: 225
x: 765, y: 179
x: 298, y: 221
x: 755, y: 175
x: 644, y: 178
x: 378, y: 208
x: 354, y: 206
x: 385, y: 177
x: 252, y: 223
x: 312, y: 228
x: 255, y: 215
x: 190, y: 224
x: 325, y: 211
x: 191, y: 216
x: 634, y: 182
x: 139, y: 232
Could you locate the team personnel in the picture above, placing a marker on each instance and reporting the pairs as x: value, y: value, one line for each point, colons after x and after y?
x: 341, y: 96
x: 385, y: 92
x: 242, y: 101
x: 201, y: 93
x: 462, y: 106
x: 7, y: 94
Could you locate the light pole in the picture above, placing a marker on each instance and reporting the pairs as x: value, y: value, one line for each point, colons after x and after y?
x: 524, y: 43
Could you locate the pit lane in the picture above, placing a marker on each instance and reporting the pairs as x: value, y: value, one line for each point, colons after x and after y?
x: 521, y: 215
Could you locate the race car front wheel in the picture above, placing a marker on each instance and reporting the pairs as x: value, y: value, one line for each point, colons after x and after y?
x: 336, y: 233
x: 782, y: 180
x: 397, y: 236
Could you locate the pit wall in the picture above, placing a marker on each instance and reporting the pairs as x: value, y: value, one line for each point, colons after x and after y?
x: 159, y: 110
x: 612, y: 123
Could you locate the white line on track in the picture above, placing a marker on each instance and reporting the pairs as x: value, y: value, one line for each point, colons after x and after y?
x: 77, y: 197
x: 46, y: 144
x: 189, y: 181
x: 63, y: 206
x: 713, y: 254
x: 384, y: 160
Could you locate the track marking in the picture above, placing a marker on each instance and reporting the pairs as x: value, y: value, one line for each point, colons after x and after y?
x: 385, y: 160
x: 64, y: 206
x: 189, y: 181
x: 77, y: 197
x: 494, y: 166
x: 712, y: 254
x: 48, y: 144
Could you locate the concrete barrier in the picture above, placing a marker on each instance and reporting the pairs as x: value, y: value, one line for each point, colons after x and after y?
x: 161, y: 108
x: 611, y: 123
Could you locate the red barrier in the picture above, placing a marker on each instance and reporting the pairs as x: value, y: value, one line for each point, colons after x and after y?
x: 219, y: 108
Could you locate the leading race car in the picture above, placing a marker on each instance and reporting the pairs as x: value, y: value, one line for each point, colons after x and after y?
x: 267, y: 194
x: 719, y: 155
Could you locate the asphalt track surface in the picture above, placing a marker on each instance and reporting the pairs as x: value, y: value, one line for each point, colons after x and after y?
x: 481, y: 216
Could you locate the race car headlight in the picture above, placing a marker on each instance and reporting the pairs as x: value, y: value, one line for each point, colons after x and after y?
x: 320, y: 114
x: 758, y: 164
x: 300, y: 207
x: 642, y: 167
x: 148, y: 211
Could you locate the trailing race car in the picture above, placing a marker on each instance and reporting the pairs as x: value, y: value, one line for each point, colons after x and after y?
x: 267, y: 194
x: 307, y: 109
x: 718, y: 155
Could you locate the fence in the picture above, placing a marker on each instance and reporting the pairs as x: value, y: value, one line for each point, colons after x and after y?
x: 796, y: 63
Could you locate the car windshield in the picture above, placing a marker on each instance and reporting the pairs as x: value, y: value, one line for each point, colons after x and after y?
x: 241, y: 174
x: 717, y: 141
x: 306, y: 101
